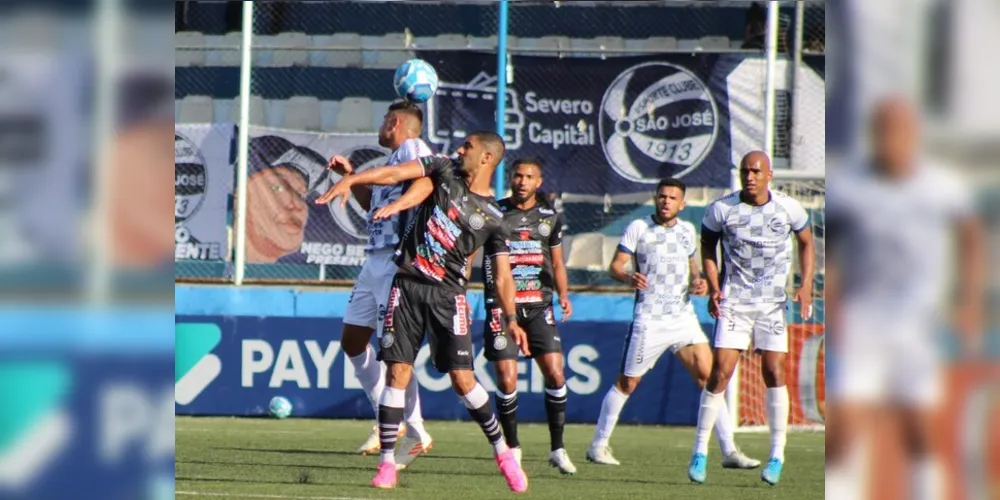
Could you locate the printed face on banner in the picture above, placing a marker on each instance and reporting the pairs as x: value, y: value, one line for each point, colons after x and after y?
x: 276, y: 214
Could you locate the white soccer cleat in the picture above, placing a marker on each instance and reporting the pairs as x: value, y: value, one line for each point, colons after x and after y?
x: 601, y: 455
x: 517, y: 454
x: 560, y: 460
x: 737, y: 460
x: 408, y: 448
x: 373, y: 445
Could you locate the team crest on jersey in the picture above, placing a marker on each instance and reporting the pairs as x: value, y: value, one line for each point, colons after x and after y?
x: 544, y: 229
x: 500, y: 343
x: 777, y: 226
x: 387, y: 340
x: 685, y: 239
x: 476, y: 222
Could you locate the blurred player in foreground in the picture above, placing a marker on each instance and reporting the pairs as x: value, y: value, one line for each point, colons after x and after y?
x: 662, y: 249
x: 400, y: 131
x: 748, y: 301
x: 893, y: 219
x: 428, y: 292
x: 536, y: 261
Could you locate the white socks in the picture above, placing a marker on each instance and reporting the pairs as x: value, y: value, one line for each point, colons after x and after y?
x: 611, y: 408
x: 371, y: 374
x: 412, y: 415
x: 708, y: 414
x: 925, y: 479
x: 777, y: 419
x: 724, y: 427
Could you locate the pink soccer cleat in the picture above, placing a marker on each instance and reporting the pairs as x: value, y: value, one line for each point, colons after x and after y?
x: 512, y: 472
x: 385, y: 477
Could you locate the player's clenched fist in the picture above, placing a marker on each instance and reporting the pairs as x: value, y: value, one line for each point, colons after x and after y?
x: 521, y: 338
x: 638, y: 281
x: 340, y: 165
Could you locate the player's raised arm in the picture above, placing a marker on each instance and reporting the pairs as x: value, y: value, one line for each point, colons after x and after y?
x: 387, y: 176
x: 419, y: 191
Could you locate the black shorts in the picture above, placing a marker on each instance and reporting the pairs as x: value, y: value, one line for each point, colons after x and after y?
x: 415, y: 307
x: 538, y: 322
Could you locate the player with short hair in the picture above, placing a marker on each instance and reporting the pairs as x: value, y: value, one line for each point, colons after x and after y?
x: 754, y: 225
x: 428, y: 292
x: 400, y: 132
x: 536, y: 261
x: 665, y: 274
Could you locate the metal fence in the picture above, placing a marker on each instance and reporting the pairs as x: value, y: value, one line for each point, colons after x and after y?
x: 320, y: 82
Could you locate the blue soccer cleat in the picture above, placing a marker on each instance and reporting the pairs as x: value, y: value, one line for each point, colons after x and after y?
x: 696, y: 470
x: 772, y: 471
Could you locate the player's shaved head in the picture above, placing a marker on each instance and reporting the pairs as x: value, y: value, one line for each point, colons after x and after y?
x: 410, y: 115
x: 756, y: 158
x: 493, y: 144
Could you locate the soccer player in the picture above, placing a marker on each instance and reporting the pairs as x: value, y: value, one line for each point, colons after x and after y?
x: 400, y: 131
x: 903, y: 228
x: 754, y: 225
x: 536, y: 262
x: 428, y: 292
x: 664, y: 274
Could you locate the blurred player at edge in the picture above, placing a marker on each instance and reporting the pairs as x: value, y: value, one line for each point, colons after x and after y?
x: 662, y: 249
x: 400, y: 132
x: 749, y: 300
x: 536, y: 256
x: 893, y: 221
x: 428, y: 292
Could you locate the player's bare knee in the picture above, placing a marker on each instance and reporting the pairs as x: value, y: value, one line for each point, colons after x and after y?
x: 355, y: 339
x: 462, y: 381
x: 773, y: 369
x: 397, y: 375
x: 506, y: 371
x: 552, y: 370
x: 627, y: 385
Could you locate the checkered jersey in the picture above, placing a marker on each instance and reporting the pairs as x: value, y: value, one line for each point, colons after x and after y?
x: 662, y: 254
x: 385, y: 233
x: 756, y: 245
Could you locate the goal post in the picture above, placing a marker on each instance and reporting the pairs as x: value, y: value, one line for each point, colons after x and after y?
x: 805, y: 366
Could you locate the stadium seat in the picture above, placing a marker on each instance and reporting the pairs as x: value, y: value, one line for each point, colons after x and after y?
x: 688, y: 45
x: 547, y: 46
x: 713, y: 43
x: 451, y: 41
x: 187, y: 56
x: 223, y: 56
x: 328, y: 115
x: 595, y: 47
x: 585, y: 251
x: 355, y: 115
x: 655, y: 43
x: 283, y: 50
x: 336, y: 58
x: 378, y: 113
x: 258, y: 115
x: 195, y: 109
x: 302, y: 113
x: 221, y: 110
x: 385, y: 52
x: 485, y: 43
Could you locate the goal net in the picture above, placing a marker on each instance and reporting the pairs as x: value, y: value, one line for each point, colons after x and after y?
x: 805, y: 366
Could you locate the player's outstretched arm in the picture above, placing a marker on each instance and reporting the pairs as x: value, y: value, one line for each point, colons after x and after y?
x: 385, y: 176
x: 342, y: 166
x: 419, y: 191
x: 807, y: 259
x: 504, y: 282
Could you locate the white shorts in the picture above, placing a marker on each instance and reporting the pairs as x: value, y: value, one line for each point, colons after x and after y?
x: 647, y: 340
x: 369, y: 298
x: 763, y: 323
x: 889, y: 361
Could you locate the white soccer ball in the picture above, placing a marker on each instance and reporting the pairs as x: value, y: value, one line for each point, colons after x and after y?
x: 280, y: 407
x: 415, y: 80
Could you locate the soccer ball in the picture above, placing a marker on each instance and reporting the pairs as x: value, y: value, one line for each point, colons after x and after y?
x: 280, y: 407
x: 415, y: 80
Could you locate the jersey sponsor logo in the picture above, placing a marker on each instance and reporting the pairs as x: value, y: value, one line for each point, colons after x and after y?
x: 527, y: 260
x: 476, y: 222
x: 527, y: 297
x: 777, y: 226
x: 527, y: 285
x: 657, y: 119
x: 525, y: 246
x: 524, y: 235
x: 526, y: 272
x: 495, y: 210
x: 496, y: 322
x: 545, y: 211
x: 392, y: 304
x: 461, y: 320
x: 429, y: 269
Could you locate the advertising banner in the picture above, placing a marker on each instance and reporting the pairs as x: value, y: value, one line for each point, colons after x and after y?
x: 203, y: 182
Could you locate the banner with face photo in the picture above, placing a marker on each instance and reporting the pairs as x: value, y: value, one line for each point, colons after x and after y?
x: 203, y: 180
x: 619, y: 125
x: 287, y: 172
